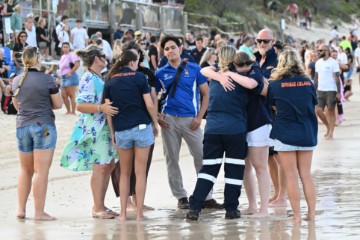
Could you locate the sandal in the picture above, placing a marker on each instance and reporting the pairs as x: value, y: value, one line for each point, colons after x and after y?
x: 115, y: 214
x: 102, y: 215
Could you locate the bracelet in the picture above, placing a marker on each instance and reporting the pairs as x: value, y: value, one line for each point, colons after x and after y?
x: 99, y: 108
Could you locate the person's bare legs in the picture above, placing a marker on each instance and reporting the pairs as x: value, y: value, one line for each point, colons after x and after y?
x: 332, y: 120
x: 99, y: 184
x: 280, y: 200
x: 42, y: 163
x: 304, y: 166
x: 141, y: 158
x: 65, y: 98
x: 320, y: 113
x: 259, y: 158
x: 71, y: 92
x: 125, y: 167
x: 274, y: 175
x: 24, y: 182
x: 250, y: 188
x: 289, y: 163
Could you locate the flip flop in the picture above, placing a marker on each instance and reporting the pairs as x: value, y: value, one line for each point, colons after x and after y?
x: 102, y: 215
x: 115, y: 214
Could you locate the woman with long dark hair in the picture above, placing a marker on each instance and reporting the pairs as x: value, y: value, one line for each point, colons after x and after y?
x: 69, y: 63
x: 133, y: 128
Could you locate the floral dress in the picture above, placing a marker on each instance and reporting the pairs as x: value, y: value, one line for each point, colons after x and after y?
x: 90, y: 141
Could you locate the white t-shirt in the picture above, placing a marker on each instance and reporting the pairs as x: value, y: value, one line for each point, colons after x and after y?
x: 79, y: 37
x: 357, y: 56
x: 334, y: 34
x: 107, y: 49
x: 31, y: 39
x: 325, y: 71
x: 342, y: 58
x: 64, y: 37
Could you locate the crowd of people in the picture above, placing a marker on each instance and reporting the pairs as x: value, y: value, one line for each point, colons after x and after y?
x: 260, y: 98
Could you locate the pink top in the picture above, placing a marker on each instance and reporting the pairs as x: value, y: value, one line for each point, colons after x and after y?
x: 65, y: 61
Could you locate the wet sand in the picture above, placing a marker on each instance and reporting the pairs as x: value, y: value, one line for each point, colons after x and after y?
x: 336, y: 170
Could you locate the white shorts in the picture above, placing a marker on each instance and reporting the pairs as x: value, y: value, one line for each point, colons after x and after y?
x: 260, y: 137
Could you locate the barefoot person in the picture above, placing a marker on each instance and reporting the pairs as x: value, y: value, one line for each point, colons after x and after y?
x: 133, y: 128
x: 35, y: 131
x: 327, y: 83
x: 295, y: 127
x: 89, y: 147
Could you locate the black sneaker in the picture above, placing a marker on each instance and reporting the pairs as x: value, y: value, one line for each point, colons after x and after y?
x: 212, y: 204
x: 193, y: 215
x: 183, y: 203
x: 232, y: 214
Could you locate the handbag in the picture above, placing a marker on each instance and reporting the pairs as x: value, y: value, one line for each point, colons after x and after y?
x: 173, y: 84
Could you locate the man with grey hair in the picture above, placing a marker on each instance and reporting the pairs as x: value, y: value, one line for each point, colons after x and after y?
x: 106, y: 46
x: 30, y: 29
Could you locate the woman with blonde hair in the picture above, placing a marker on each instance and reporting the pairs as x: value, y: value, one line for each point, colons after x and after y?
x: 35, y: 95
x: 295, y: 128
x: 209, y: 58
x: 258, y: 130
x: 116, y: 50
x: 225, y: 133
x: 89, y: 147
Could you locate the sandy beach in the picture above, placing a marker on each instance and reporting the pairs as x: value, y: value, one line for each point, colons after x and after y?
x: 336, y: 172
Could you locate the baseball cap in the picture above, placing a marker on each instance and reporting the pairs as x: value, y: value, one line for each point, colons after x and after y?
x: 94, y: 36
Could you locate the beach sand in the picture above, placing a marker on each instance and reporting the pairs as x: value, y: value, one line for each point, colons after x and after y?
x: 336, y: 172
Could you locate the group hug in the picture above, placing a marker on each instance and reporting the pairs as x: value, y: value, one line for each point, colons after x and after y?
x: 260, y: 122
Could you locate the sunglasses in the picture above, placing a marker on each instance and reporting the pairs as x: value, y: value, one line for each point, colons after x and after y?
x: 266, y: 41
x: 247, y: 63
x: 102, y: 56
x: 23, y: 36
x: 321, y: 50
x: 142, y: 43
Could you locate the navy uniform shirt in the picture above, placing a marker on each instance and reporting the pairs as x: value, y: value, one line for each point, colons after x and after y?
x: 197, y: 55
x: 259, y: 112
x: 271, y: 62
x: 125, y: 90
x: 186, y: 102
x: 227, y: 110
x: 295, y: 120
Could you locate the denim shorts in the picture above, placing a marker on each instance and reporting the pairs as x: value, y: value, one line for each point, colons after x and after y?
x: 282, y: 147
x: 32, y: 137
x: 135, y: 137
x: 73, y: 80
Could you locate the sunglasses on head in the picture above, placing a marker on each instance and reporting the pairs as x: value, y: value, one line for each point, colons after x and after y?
x: 266, y: 41
x: 243, y: 64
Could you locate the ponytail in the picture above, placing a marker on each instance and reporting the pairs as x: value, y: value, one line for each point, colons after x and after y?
x: 126, y: 57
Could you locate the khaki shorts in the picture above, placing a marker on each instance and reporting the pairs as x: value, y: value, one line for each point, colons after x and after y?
x: 327, y: 98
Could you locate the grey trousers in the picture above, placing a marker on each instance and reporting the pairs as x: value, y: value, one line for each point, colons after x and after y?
x: 180, y: 128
